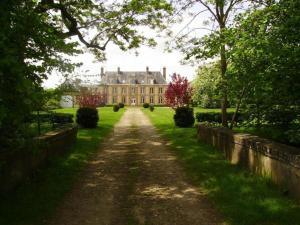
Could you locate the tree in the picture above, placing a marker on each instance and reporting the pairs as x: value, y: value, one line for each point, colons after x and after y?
x: 206, y: 86
x: 91, y: 100
x: 36, y: 37
x: 213, y: 44
x: 179, y: 92
x: 264, y: 62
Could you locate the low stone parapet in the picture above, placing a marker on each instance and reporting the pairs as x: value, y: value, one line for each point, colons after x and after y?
x: 18, y: 165
x: 265, y: 157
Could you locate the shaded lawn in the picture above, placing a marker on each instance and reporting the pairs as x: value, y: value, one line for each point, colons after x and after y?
x: 242, y: 197
x: 37, y: 199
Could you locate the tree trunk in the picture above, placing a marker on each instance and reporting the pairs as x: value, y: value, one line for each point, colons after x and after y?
x: 223, y: 64
x: 237, y: 108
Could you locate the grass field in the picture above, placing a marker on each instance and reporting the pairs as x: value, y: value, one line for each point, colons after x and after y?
x: 36, y: 199
x: 243, y: 198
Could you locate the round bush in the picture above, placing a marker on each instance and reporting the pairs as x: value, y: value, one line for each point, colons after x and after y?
x: 184, y: 117
x: 87, y: 117
x: 121, y: 105
x: 116, y: 108
x: 151, y: 108
x: 146, y: 105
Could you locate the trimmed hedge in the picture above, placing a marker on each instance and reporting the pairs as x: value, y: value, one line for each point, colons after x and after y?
x: 215, y: 117
x: 116, y: 108
x: 62, y: 118
x: 46, y: 117
x: 184, y: 117
x: 121, y: 105
x: 87, y: 117
x: 151, y: 108
x: 146, y: 105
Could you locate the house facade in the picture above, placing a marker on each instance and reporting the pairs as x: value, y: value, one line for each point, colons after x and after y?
x: 133, y: 87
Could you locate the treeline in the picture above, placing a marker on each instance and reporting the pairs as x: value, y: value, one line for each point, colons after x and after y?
x: 263, y: 70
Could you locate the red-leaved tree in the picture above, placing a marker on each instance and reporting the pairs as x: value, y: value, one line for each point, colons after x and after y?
x: 91, y: 100
x: 179, y: 92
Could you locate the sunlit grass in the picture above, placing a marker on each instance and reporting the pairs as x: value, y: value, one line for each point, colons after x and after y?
x: 242, y: 197
x: 36, y: 199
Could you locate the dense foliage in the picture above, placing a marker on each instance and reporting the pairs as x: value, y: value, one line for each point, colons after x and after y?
x: 121, y: 105
x: 87, y: 117
x: 184, y: 116
x: 206, y: 86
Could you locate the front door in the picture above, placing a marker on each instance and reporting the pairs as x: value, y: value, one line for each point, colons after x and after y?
x: 133, y: 101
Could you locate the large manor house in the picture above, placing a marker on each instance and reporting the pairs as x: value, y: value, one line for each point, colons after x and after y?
x: 133, y: 87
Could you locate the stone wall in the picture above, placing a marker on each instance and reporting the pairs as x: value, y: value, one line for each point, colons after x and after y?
x: 18, y: 165
x: 278, y: 161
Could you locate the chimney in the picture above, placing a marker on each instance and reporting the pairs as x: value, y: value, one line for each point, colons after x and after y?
x: 147, y: 69
x: 102, y: 72
x: 165, y: 73
x: 119, y: 70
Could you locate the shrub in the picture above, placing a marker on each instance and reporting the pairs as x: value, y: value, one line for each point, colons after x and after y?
x: 146, y: 105
x: 62, y: 118
x: 116, y: 108
x: 215, y: 117
x: 87, y: 117
x: 184, y: 117
x: 121, y: 105
x: 151, y: 108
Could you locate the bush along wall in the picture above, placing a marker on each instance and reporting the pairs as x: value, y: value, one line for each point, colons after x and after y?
x: 214, y: 117
x: 184, y: 117
x: 116, y: 108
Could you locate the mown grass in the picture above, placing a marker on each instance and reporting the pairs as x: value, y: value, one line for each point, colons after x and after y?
x: 34, y: 201
x: 242, y: 197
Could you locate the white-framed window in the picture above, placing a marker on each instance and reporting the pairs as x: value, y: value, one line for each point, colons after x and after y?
x: 115, y: 90
x: 133, y: 90
x: 151, y: 99
x: 160, y: 100
x: 142, y: 99
x: 123, y: 90
x: 142, y: 90
x: 160, y: 90
x: 114, y: 99
x: 151, y: 90
x: 124, y: 99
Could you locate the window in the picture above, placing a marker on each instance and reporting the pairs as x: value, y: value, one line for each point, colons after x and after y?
x: 160, y: 100
x: 115, y: 90
x: 151, y: 90
x: 160, y: 90
x: 151, y: 99
x: 124, y: 99
x: 114, y: 99
x: 142, y: 99
x: 132, y: 90
x: 123, y: 90
x: 142, y: 90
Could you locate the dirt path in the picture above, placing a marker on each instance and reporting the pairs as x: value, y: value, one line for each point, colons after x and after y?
x: 135, y: 180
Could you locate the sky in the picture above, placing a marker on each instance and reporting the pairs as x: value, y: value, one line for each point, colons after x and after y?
x: 155, y: 58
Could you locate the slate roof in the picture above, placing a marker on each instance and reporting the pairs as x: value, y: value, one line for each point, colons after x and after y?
x: 133, y: 77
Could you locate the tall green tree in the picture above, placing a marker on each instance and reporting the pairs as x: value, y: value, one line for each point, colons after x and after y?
x: 265, y: 61
x: 206, y: 86
x: 214, y: 44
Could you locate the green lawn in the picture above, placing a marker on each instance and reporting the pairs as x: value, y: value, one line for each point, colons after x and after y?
x: 34, y: 201
x: 243, y: 198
